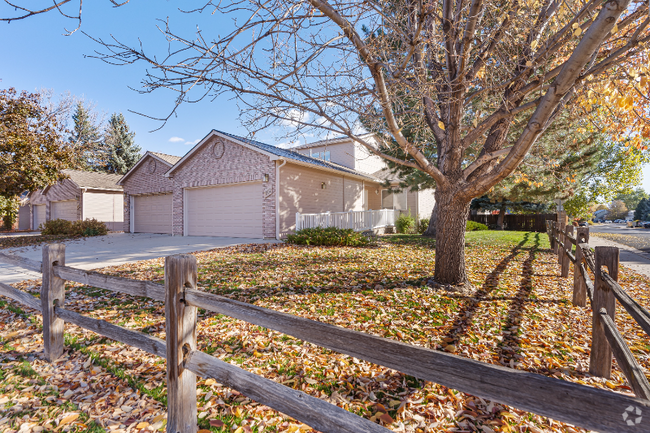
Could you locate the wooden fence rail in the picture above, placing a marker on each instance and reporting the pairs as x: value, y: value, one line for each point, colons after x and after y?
x: 603, y: 292
x: 581, y: 405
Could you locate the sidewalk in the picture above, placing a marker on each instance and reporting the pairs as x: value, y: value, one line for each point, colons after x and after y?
x: 632, y: 258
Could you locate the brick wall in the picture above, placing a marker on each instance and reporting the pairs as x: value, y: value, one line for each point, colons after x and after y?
x: 147, y: 179
x: 64, y: 190
x: 237, y: 164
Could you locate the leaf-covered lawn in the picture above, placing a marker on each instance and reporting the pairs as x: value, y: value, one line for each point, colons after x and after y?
x: 12, y: 241
x: 520, y: 316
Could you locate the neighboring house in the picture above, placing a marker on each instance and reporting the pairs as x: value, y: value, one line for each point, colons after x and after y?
x: 233, y: 186
x: 83, y: 195
x: 601, y: 214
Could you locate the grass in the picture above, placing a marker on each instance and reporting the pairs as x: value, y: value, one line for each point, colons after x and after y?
x: 520, y: 316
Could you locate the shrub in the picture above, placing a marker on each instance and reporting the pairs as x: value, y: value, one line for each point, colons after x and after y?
x: 330, y: 236
x: 474, y: 226
x: 423, y: 226
x: 405, y: 223
x: 89, y: 227
x: 56, y: 227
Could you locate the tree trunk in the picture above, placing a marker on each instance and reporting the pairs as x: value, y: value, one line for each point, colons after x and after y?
x: 431, y: 231
x: 451, y: 221
x: 502, y: 213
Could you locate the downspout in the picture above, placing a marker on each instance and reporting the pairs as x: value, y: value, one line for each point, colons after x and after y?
x: 83, y: 202
x: 277, y: 198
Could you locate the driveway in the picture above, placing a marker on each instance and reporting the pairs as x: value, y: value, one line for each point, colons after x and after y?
x: 118, y: 248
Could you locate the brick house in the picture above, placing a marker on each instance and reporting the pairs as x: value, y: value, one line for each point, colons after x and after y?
x: 81, y: 196
x: 233, y: 186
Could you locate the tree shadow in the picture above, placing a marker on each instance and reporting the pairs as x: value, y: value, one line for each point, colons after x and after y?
x: 464, y: 318
x: 511, y: 342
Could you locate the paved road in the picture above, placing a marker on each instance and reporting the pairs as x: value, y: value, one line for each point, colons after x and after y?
x: 633, y: 243
x: 116, y: 249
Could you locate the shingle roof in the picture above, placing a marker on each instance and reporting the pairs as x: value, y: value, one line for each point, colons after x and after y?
x: 168, y: 158
x: 94, y: 180
x: 385, y: 174
x: 339, y: 139
x: 286, y: 153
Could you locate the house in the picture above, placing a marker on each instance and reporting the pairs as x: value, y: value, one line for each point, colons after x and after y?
x: 233, y: 186
x: 81, y: 196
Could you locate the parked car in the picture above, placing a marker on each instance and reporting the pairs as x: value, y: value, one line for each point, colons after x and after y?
x: 608, y: 221
x: 646, y: 225
x: 584, y: 224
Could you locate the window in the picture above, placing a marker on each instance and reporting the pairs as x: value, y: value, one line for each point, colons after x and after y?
x: 316, y: 155
x: 390, y: 200
x: 326, y: 155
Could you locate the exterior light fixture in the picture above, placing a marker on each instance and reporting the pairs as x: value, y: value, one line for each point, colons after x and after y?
x: 266, y: 177
x: 323, y: 185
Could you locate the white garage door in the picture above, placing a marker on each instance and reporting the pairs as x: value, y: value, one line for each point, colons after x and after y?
x: 233, y: 211
x: 65, y: 210
x: 153, y: 214
x: 39, y: 215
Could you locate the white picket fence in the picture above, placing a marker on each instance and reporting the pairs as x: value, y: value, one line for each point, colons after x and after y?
x: 357, y: 220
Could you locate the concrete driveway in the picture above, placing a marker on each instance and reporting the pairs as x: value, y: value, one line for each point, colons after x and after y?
x: 116, y: 249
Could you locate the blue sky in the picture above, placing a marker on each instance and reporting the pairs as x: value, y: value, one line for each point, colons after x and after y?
x: 35, y: 54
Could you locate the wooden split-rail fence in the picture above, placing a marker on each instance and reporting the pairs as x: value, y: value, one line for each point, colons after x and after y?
x: 603, y: 293
x: 588, y: 407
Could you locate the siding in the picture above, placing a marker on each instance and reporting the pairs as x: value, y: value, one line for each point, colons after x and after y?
x: 374, y: 198
x: 366, y: 161
x: 352, y: 194
x: 341, y: 153
x: 300, y: 191
x: 427, y: 200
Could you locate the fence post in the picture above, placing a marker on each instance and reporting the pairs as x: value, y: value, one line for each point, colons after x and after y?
x: 568, y: 230
x: 600, y: 361
x: 350, y: 219
x: 298, y: 221
x: 579, y: 285
x: 180, y: 272
x: 553, y: 234
x: 560, y: 236
x: 52, y: 291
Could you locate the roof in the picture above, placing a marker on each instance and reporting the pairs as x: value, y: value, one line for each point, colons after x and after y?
x: 329, y: 141
x: 385, y: 174
x: 275, y: 152
x: 94, y: 180
x: 168, y: 160
x: 171, y: 159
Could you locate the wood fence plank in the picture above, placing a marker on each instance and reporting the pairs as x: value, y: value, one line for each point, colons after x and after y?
x: 568, y: 230
x: 20, y: 296
x: 588, y: 283
x: 600, y: 360
x: 146, y: 289
x: 316, y: 413
x: 142, y: 341
x: 180, y: 318
x: 634, y: 374
x: 579, y: 284
x: 52, y: 293
x: 638, y: 313
x: 561, y: 224
x: 588, y: 407
x: 21, y: 262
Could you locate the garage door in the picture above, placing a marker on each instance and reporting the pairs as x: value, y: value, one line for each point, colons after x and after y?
x: 65, y: 210
x: 233, y: 211
x: 39, y: 215
x: 153, y: 214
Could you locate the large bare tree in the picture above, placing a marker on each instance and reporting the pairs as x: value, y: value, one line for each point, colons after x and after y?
x: 461, y: 70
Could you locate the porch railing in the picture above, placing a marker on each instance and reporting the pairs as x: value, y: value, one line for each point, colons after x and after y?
x: 356, y: 220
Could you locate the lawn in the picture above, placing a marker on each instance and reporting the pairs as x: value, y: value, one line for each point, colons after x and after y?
x: 520, y: 316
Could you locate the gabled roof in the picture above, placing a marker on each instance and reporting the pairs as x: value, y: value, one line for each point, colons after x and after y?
x: 171, y: 159
x: 92, y: 180
x: 271, y: 151
x: 168, y: 160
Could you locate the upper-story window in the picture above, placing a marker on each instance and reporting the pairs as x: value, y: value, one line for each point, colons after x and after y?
x: 322, y: 155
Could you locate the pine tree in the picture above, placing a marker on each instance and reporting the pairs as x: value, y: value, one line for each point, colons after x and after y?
x: 86, y: 140
x: 642, y: 210
x: 121, y: 151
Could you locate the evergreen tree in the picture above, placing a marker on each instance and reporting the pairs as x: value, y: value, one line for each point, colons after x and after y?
x: 86, y: 140
x: 642, y: 210
x: 121, y: 151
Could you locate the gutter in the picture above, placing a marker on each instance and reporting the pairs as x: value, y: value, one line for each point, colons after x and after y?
x: 277, y: 197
